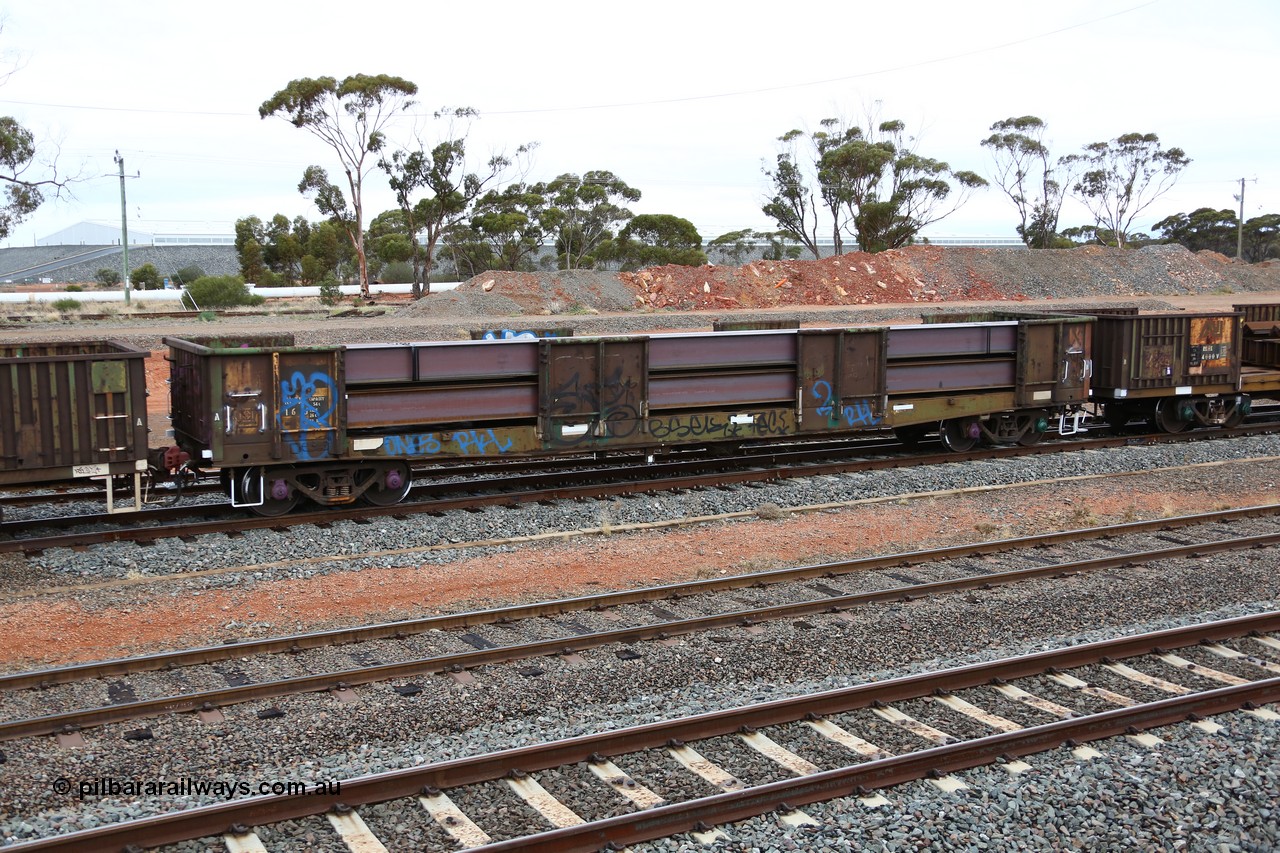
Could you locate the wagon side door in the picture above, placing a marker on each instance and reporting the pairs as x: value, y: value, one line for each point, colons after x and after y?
x: 592, y: 391
x: 841, y: 379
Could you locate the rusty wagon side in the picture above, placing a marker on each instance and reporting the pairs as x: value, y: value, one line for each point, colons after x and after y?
x: 72, y: 411
x: 334, y: 424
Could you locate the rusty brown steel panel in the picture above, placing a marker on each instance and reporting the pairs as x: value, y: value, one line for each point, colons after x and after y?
x: 379, y: 363
x: 842, y: 379
x: 243, y: 396
x: 722, y: 389
x: 592, y: 391
x: 676, y: 352
x: 593, y: 377
x: 1158, y: 352
x: 1264, y: 313
x: 71, y: 404
x: 1266, y: 353
x: 1053, y: 362
x: 951, y: 376
x: 450, y: 360
x: 941, y: 340
x: 306, y: 408
x: 189, y: 401
x: 373, y: 409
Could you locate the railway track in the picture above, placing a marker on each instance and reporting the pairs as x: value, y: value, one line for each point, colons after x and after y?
x: 506, y: 490
x: 697, y: 774
x: 116, y: 691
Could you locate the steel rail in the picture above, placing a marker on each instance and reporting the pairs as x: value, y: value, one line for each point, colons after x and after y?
x: 142, y: 533
x: 483, y: 476
x: 556, y: 607
x: 664, y: 821
x: 204, y: 821
x: 205, y: 700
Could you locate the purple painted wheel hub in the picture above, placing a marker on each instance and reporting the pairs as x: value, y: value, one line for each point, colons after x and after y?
x: 279, y: 490
x: 394, y: 479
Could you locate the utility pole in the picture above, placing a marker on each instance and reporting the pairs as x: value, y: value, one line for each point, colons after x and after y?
x: 124, y: 230
x: 1240, y: 225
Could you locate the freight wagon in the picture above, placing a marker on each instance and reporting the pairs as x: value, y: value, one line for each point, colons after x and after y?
x: 73, y: 411
x: 335, y: 424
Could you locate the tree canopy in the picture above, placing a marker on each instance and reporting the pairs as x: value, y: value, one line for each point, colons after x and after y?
x: 1221, y: 231
x: 582, y: 213
x: 350, y: 117
x: 448, y: 192
x: 655, y: 239
x: 1124, y: 176
x: 872, y: 182
x: 1024, y: 170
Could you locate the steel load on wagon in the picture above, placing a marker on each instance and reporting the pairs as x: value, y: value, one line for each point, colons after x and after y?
x: 72, y: 410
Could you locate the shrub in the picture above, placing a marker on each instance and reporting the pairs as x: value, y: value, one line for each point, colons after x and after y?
x: 107, y: 277
x: 330, y: 293
x: 64, y: 306
x: 188, y: 274
x: 271, y: 279
x: 146, y: 277
x: 220, y: 291
x: 397, y: 273
x: 74, y: 288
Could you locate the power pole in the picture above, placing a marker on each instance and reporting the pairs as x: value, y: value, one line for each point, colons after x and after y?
x: 124, y: 231
x: 1240, y: 225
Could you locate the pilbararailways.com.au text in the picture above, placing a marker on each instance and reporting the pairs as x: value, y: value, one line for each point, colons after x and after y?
x: 187, y: 787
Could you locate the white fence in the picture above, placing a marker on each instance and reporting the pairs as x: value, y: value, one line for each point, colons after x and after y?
x: 175, y: 295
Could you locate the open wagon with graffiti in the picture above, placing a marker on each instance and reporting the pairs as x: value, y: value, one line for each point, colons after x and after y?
x: 336, y: 424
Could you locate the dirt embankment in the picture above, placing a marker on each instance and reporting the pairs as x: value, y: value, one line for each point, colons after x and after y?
x: 917, y: 274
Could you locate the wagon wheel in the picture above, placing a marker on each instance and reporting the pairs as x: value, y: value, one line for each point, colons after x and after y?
x: 912, y: 434
x: 1239, y: 412
x: 1173, y: 415
x: 390, y: 485
x: 960, y: 435
x: 271, y: 505
x: 1034, y: 428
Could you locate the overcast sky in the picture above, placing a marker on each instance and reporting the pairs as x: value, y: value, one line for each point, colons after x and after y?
x: 682, y: 100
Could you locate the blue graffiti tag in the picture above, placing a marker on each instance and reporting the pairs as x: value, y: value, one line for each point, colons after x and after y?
x: 858, y: 413
x: 470, y: 442
x: 310, y: 399
x: 513, y: 335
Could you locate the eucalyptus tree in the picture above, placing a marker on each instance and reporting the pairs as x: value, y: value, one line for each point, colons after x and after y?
x: 582, y: 213
x: 1026, y: 172
x: 449, y: 192
x: 793, y: 205
x: 349, y: 116
x: 1122, y: 178
x: 506, y: 231
x: 873, y: 184
x: 654, y: 239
